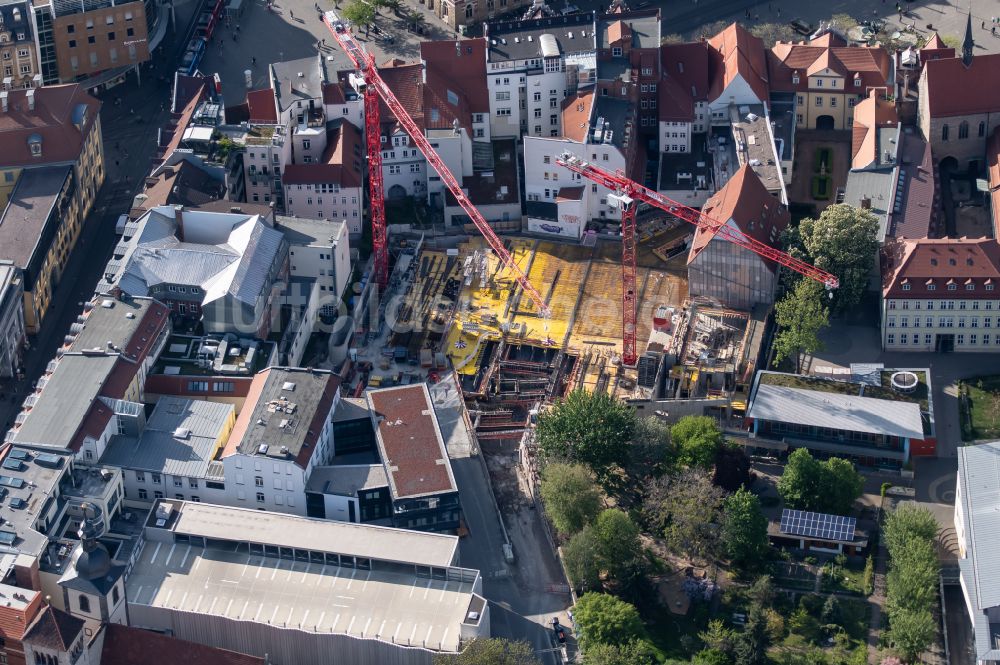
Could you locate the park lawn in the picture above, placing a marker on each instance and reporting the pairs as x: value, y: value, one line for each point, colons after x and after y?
x: 984, y: 407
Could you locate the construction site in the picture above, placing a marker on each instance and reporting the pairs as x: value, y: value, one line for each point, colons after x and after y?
x: 461, y: 308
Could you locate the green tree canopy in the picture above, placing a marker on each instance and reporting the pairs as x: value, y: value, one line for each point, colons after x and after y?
x: 830, y: 486
x: 593, y: 429
x: 718, y: 637
x: 712, y: 657
x: 800, y: 316
x: 907, y: 522
x: 697, y: 440
x: 911, y: 632
x: 910, y: 533
x: 604, y: 619
x: 686, y: 507
x: 492, y: 651
x: 359, y: 12
x: 844, y: 242
x: 617, y: 539
x: 571, y: 497
x: 582, y: 562
x: 635, y: 652
x: 744, y: 529
x: 651, y: 452
x: 732, y: 468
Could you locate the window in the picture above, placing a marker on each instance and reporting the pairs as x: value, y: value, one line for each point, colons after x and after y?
x: 616, y: 51
x: 84, y: 604
x: 260, y: 497
x: 305, y: 144
x: 892, y: 322
x: 904, y: 322
x: 92, y: 40
x: 963, y: 130
x: 197, y: 386
x: 961, y: 322
x: 833, y: 102
x: 798, y: 118
x: 989, y: 287
x: 223, y: 386
x: 258, y: 481
x: 143, y: 494
x: 801, y: 100
x: 929, y: 322
x: 72, y: 43
x: 982, y: 133
x: 503, y: 112
x: 111, y: 36
x: 906, y: 287
x: 960, y: 339
x: 70, y: 29
x: 179, y: 497
x: 953, y: 287
x: 819, y: 83
x: 178, y: 482
x: 819, y: 101
x: 538, y: 113
x: 944, y: 132
x: 140, y: 476
x: 157, y: 480
x: 193, y: 483
x: 195, y: 498
x: 927, y: 339
x: 890, y: 339
x: 503, y: 96
x: 157, y: 495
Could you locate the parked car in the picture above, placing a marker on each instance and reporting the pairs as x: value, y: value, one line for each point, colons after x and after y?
x: 801, y: 27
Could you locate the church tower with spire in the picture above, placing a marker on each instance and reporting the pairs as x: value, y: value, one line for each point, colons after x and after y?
x: 968, y: 44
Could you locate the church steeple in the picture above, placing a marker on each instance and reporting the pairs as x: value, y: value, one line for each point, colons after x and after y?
x: 968, y: 44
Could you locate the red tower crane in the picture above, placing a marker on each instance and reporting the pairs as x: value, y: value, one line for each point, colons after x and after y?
x: 626, y: 193
x: 376, y: 88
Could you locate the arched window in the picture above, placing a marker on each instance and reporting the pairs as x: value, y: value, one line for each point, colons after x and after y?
x: 982, y: 129
x: 944, y: 132
x: 963, y: 130
x: 84, y: 604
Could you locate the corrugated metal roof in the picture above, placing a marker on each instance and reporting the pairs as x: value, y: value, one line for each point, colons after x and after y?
x: 852, y: 413
x: 255, y: 264
x: 162, y: 449
x: 979, y: 486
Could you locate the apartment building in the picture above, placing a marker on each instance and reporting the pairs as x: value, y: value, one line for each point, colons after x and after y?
x: 829, y: 78
x: 940, y: 295
x: 628, y: 63
x: 532, y: 66
x: 51, y: 166
x: 12, y: 331
x: 738, y: 72
x: 319, y: 249
x: 18, y: 52
x: 682, y: 105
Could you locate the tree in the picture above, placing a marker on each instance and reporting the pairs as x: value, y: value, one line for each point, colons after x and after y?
x: 492, y: 651
x: 800, y: 480
x: 590, y: 428
x: 751, y: 644
x: 911, y: 632
x: 686, y: 507
x: 718, y: 637
x: 616, y: 538
x: 800, y: 316
x: 697, y: 440
x: 732, y: 468
x: 840, y: 485
x: 415, y: 19
x: 907, y: 522
x: 582, y: 563
x: 831, y: 486
x: 360, y: 12
x: 844, y: 242
x: 774, y: 32
x: 635, y: 652
x: 711, y: 657
x: 604, y: 619
x: 571, y: 498
x: 651, y: 452
x: 744, y: 528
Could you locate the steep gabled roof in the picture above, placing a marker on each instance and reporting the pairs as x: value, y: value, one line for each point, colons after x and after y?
x: 870, y: 65
x: 870, y: 115
x: 341, y: 162
x: 737, y: 53
x: 53, y: 121
x: 956, y: 90
x: 54, y: 629
x: 926, y: 268
x: 744, y: 203
x: 461, y: 63
x: 125, y: 645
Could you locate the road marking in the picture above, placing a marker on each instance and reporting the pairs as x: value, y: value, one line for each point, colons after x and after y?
x: 351, y: 625
x: 197, y: 603
x: 259, y: 610
x: 211, y: 607
x: 428, y: 636
x: 443, y: 592
x: 443, y: 636
x: 304, y: 618
x: 335, y: 622
x: 246, y: 604
x: 137, y: 592
x: 170, y: 554
x: 197, y: 562
x: 155, y: 553
x: 379, y: 633
x: 289, y: 619
x: 412, y: 634
x: 398, y: 626
x: 246, y: 565
x: 343, y: 606
x: 273, y: 614
x: 306, y: 573
x: 367, y: 577
x: 320, y: 622
x: 365, y: 630
x: 183, y: 600
x: 186, y: 553
x: 346, y: 597
x: 428, y: 589
x: 277, y: 565
x: 354, y: 571
x: 166, y: 600
x: 228, y: 607
x: 414, y: 587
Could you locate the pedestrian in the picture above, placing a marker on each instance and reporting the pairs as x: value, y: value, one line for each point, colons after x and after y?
x: 291, y: 14
x: 994, y: 31
x: 253, y: 60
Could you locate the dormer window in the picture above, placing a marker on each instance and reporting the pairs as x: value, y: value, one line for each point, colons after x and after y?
x: 616, y: 51
x: 35, y: 145
x: 906, y: 287
x: 953, y: 287
x: 857, y: 81
x: 970, y: 287
x: 795, y: 78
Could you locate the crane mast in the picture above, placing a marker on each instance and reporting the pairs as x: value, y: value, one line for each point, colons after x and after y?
x: 627, y: 193
x: 375, y: 88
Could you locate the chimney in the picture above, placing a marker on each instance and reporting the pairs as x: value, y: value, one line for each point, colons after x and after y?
x: 30, y: 95
x: 8, y: 83
x: 179, y: 216
x: 36, y: 81
x: 3, y: 100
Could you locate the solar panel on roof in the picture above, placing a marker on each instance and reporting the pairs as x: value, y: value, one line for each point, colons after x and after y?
x: 48, y: 459
x: 17, y: 453
x: 13, y: 464
x: 7, y: 537
x: 817, y: 525
x: 8, y: 481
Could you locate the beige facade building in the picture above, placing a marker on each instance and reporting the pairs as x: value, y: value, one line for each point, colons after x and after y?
x: 51, y: 166
x: 458, y: 13
x: 99, y: 39
x: 941, y: 295
x: 18, y: 54
x: 828, y: 78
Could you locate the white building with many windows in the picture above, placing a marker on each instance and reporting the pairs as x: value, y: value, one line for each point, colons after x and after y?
x: 941, y: 295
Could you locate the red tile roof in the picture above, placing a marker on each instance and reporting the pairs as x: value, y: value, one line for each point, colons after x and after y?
x: 51, y: 120
x: 405, y: 82
x: 175, y: 130
x: 125, y: 645
x: 745, y: 203
x: 927, y: 268
x: 576, y: 111
x: 341, y: 163
x: 993, y: 173
x: 935, y: 42
x: 54, y: 629
x: 954, y: 89
x: 737, y: 53
x: 461, y: 63
x: 675, y: 103
x: 687, y: 65
x: 410, y: 441
x: 14, y: 622
x: 333, y: 93
x: 869, y: 64
x: 872, y: 113
x: 935, y: 49
x: 569, y: 194
x: 263, y: 110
